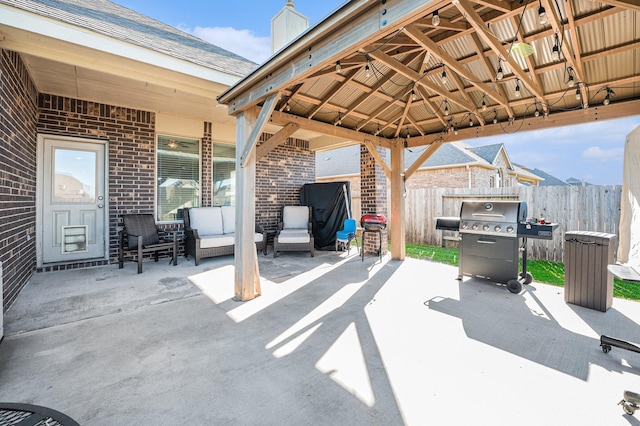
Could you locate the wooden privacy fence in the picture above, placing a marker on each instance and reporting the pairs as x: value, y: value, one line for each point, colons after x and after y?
x: 575, y: 208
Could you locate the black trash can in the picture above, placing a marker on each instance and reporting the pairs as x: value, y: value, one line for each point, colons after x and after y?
x: 587, y: 282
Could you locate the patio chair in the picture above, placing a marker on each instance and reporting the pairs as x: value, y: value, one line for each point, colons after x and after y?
x: 294, y: 231
x: 346, y: 234
x: 140, y: 236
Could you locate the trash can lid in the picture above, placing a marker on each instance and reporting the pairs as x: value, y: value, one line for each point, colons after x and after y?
x: 601, y: 238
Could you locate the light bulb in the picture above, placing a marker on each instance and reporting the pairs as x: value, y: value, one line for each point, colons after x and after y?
x: 517, y: 93
x: 470, y: 123
x: 484, y: 105
x: 446, y: 110
x: 555, y: 53
x: 499, y: 75
x: 495, y: 120
x: 435, y: 20
x: 606, y: 100
x: 413, y: 95
x: 443, y: 77
x: 571, y: 81
x: 367, y: 71
x: 338, y: 67
x: 578, y: 94
x: 542, y: 14
x: 288, y: 107
x: 537, y: 113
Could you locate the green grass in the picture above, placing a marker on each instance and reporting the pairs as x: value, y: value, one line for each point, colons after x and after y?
x: 543, y: 271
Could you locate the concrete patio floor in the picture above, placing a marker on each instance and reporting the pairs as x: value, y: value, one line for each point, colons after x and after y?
x: 332, y: 341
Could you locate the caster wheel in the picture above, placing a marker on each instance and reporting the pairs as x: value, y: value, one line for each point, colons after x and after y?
x: 514, y: 286
x: 628, y: 408
x: 606, y: 348
x: 528, y: 278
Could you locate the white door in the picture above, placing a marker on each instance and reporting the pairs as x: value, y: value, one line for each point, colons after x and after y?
x: 72, y: 191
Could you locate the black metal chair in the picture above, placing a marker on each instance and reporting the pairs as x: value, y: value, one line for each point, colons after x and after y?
x: 29, y: 414
x: 140, y: 236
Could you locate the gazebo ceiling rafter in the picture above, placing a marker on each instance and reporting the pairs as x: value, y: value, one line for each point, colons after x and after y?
x: 376, y: 67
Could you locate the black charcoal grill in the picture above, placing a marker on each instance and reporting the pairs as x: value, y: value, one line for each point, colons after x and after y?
x: 490, y: 234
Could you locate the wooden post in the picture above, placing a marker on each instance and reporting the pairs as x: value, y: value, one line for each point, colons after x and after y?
x: 247, y: 273
x: 398, y: 249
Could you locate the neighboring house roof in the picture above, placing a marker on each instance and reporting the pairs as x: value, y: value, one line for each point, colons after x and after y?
x: 448, y: 154
x: 577, y: 182
x: 112, y: 20
x: 487, y: 152
x: 549, y: 180
x: 346, y: 161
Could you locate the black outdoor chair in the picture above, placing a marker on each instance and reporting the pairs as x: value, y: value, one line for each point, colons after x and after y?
x: 140, y: 235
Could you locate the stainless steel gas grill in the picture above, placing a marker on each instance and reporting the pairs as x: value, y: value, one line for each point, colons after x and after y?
x: 490, y: 237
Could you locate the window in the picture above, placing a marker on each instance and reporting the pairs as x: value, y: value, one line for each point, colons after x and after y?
x: 224, y: 174
x: 178, y: 175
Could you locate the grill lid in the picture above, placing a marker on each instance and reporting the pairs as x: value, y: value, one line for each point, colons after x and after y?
x: 492, y: 217
x: 373, y: 220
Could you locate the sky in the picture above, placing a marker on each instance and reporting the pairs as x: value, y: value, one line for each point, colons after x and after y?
x: 591, y: 152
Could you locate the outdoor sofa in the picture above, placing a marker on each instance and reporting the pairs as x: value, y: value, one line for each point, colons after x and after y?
x: 210, y: 231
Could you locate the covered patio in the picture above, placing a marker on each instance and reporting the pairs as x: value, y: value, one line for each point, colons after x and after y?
x: 334, y: 340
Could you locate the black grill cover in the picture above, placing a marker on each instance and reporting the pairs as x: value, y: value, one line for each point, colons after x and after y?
x: 328, y: 210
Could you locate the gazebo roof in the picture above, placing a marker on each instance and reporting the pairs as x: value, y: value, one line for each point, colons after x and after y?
x: 374, y: 70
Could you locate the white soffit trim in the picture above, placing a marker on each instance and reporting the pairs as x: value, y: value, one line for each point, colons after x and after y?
x: 47, y: 27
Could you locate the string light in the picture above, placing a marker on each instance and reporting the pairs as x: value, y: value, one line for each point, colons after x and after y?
x: 517, y: 93
x: 413, y: 95
x: 499, y: 74
x: 288, y: 107
x: 339, y: 120
x: 578, y: 94
x: 367, y: 71
x: 537, y: 113
x: 443, y: 77
x: 607, y: 99
x: 571, y: 81
x: 470, y: 122
x: 446, y: 108
x: 484, y: 104
x: 338, y: 67
x: 555, y: 51
x: 542, y: 15
x: 435, y: 19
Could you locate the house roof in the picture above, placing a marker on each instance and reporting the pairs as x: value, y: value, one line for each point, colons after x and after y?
x: 549, y: 180
x: 98, y: 51
x: 346, y: 160
x: 487, y: 152
x: 115, y: 21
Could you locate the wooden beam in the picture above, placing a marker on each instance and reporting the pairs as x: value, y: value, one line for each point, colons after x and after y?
x: 379, y: 160
x: 431, y: 149
x: 276, y: 140
x: 250, y: 144
x: 282, y: 119
x: 348, y: 77
x: 624, y: 4
x: 452, y: 63
x: 417, y: 78
x: 483, y: 31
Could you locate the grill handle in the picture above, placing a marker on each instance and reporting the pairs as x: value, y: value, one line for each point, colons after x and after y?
x: 483, y: 241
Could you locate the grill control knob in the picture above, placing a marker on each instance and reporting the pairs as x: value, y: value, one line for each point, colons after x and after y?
x: 509, y: 228
x: 475, y: 226
x: 485, y: 227
x: 498, y: 228
x: 465, y: 226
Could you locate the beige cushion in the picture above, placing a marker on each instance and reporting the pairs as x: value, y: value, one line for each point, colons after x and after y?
x: 294, y: 236
x: 296, y: 217
x: 207, y: 220
x: 258, y: 237
x: 209, y: 241
x: 228, y: 219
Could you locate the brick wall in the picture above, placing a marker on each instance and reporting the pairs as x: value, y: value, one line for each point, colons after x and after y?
x: 18, y: 111
x: 373, y: 188
x: 279, y: 177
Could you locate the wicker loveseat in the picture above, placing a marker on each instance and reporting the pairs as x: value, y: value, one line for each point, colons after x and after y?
x: 210, y: 231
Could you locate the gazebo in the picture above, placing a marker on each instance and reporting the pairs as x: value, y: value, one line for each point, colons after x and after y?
x: 396, y: 74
